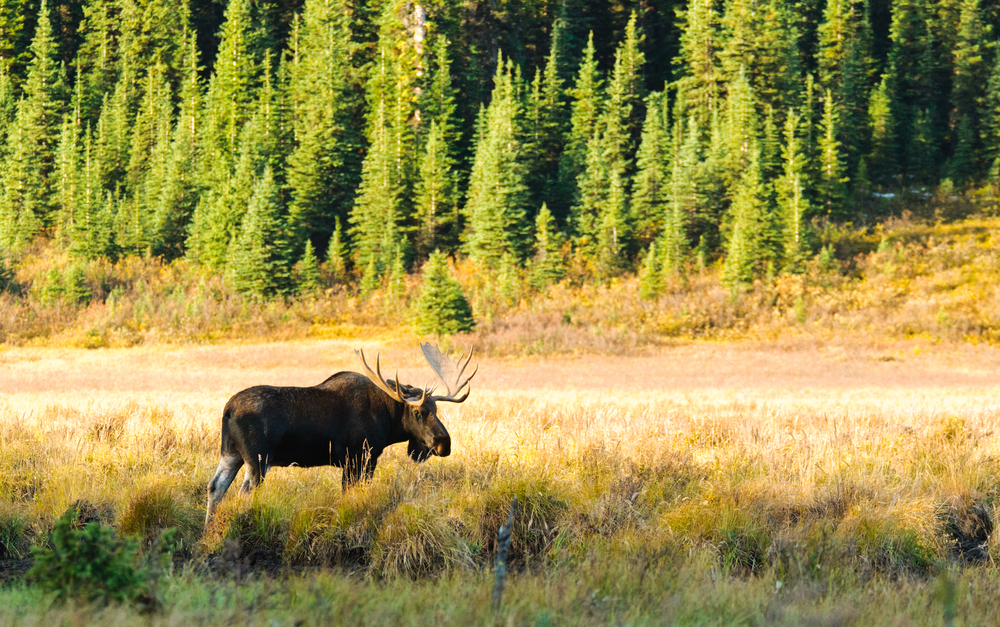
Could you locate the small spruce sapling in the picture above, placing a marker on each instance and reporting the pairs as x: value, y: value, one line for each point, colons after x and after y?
x: 442, y: 308
x: 75, y: 287
x: 547, y: 265
x: 336, y: 254
x: 308, y: 271
x: 651, y: 275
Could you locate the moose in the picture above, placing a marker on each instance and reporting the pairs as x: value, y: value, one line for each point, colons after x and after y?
x: 345, y: 421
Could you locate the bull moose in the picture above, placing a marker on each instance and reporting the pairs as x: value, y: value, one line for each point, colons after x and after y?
x: 345, y: 421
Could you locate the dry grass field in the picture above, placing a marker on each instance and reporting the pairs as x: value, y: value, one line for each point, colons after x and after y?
x: 701, y: 483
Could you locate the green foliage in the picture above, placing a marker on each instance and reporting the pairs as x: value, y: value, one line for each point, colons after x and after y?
x: 793, y: 204
x: 258, y: 264
x: 832, y: 180
x: 508, y: 281
x: 90, y: 562
x: 495, y: 208
x: 376, y: 212
x: 336, y: 254
x: 435, y: 193
x: 747, y: 251
x: 547, y: 264
x: 442, y: 308
x: 650, y: 188
x: 128, y: 130
x: 323, y: 164
x: 586, y: 94
x: 74, y: 286
x: 650, y: 276
x: 307, y: 271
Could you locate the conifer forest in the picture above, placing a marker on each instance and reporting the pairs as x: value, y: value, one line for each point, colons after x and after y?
x: 257, y: 138
x: 726, y: 273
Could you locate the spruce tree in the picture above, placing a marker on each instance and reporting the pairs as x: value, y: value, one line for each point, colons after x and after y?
x: 601, y: 217
x: 67, y: 168
x: 650, y: 276
x: 258, y: 265
x: 91, y: 223
x: 853, y: 92
x: 21, y: 206
x: 28, y: 191
x: 969, y: 91
x: 586, y: 94
x: 374, y: 218
x: 74, y: 286
x: 546, y: 127
x: 179, y: 189
x: 741, y: 128
x: 336, y: 254
x: 396, y: 288
x: 883, y: 142
x: 97, y: 58
x: 630, y: 62
x: 112, y: 141
x: 832, y: 179
x: 547, y: 265
x: 435, y: 193
x: 746, y: 252
x: 324, y: 166
x: 495, y: 209
x: 221, y: 209
x: 307, y: 271
x: 8, y: 105
x: 442, y: 308
x: 761, y: 43
x: 919, y: 81
x: 436, y: 189
x: 991, y: 121
x: 686, y: 197
x: 231, y: 90
x: 650, y: 188
x: 13, y: 14
x: 698, y: 61
x: 793, y: 204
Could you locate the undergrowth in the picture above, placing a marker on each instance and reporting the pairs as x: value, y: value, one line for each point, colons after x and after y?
x: 903, y: 278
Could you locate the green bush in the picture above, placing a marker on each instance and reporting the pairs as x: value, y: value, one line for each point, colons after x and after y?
x: 94, y: 564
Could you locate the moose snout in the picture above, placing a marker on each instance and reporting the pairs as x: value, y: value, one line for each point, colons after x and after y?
x: 442, y: 446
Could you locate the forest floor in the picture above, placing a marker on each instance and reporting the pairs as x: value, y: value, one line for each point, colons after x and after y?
x: 800, y: 482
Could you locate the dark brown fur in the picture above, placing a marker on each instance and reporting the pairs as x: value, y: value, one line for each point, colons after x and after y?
x: 346, y: 421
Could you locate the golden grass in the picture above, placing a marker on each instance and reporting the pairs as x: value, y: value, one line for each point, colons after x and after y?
x: 797, y: 462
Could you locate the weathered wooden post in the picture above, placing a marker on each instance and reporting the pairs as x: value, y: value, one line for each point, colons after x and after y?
x: 503, y: 543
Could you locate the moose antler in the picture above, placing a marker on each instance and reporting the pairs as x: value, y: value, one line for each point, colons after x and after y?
x: 377, y: 378
x: 450, y: 372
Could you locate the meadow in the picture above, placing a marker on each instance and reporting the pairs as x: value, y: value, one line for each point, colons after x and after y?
x: 710, y: 483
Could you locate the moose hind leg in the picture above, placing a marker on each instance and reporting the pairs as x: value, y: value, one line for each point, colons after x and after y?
x: 229, y: 466
x: 254, y: 475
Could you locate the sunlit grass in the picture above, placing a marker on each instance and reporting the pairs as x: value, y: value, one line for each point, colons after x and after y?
x: 710, y: 494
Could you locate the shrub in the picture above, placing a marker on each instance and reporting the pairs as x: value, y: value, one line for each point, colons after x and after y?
x: 154, y: 509
x: 416, y: 540
x: 442, y: 308
x: 92, y: 563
